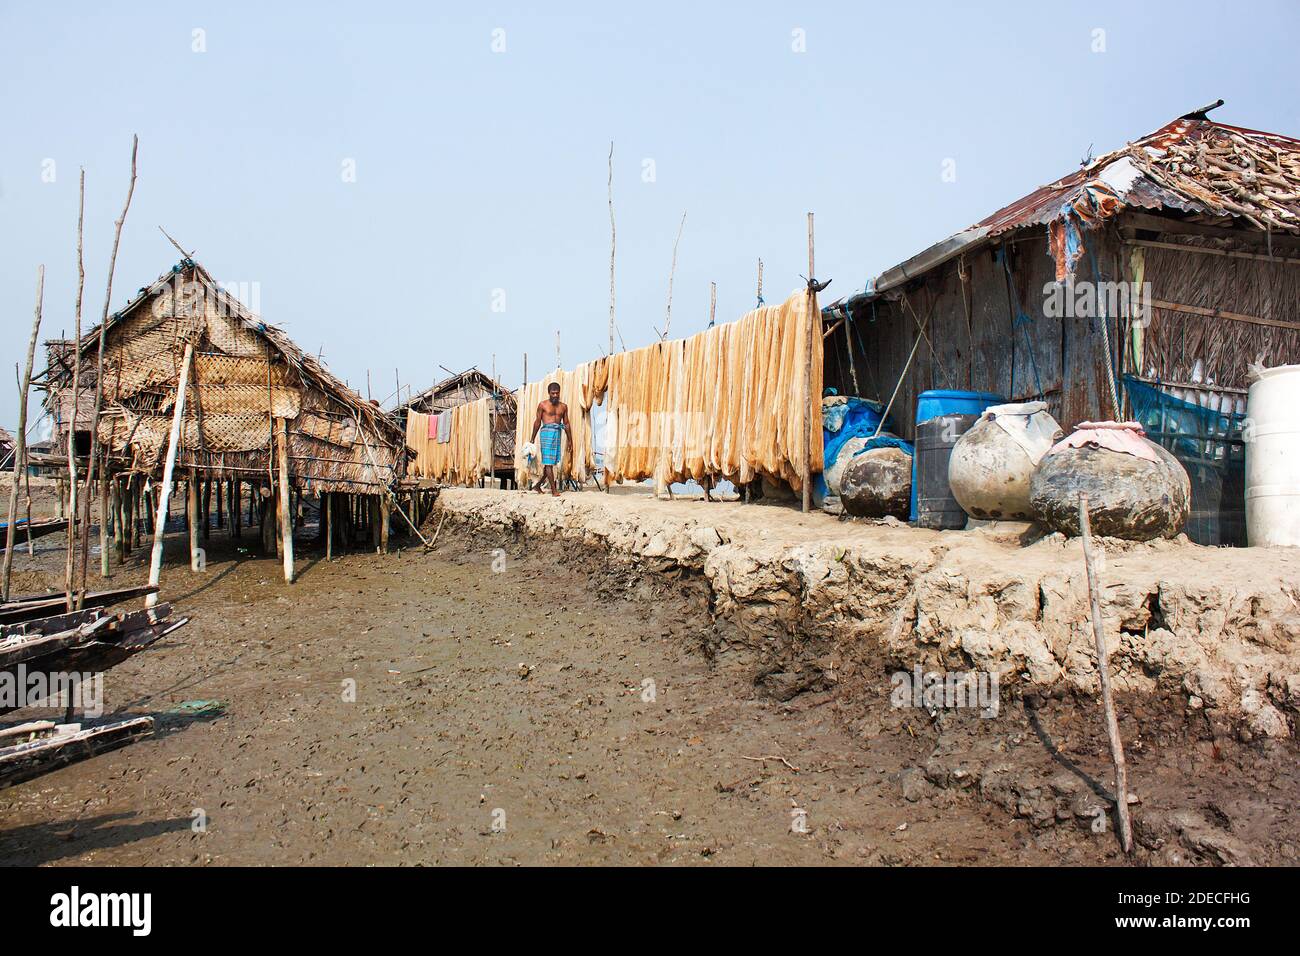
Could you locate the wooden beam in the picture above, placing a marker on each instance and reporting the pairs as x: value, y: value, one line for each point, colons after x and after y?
x: 1142, y: 220
x: 1207, y: 251
x: 1222, y: 314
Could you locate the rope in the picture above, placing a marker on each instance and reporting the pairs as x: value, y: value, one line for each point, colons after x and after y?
x: 1105, y: 333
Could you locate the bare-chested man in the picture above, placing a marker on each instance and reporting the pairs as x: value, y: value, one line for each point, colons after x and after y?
x: 552, y: 418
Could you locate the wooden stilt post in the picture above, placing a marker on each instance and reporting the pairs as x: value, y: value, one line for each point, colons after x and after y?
x: 192, y: 517
x: 173, y: 442
x: 383, y: 523
x: 286, y: 527
x: 115, y: 507
x: 327, y: 505
x: 266, y: 521
x: 205, y: 513
x: 105, y: 519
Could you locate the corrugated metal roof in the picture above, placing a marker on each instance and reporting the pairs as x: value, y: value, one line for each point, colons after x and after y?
x: 1191, y: 165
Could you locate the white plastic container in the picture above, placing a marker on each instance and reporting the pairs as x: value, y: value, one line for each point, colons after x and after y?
x: 1272, y: 433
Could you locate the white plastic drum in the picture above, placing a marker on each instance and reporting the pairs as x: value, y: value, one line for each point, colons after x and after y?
x: 1272, y: 433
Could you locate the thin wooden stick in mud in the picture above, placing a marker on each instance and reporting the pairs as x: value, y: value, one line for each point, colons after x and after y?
x: 99, y: 388
x: 173, y: 442
x: 438, y: 530
x: 20, y: 451
x: 1103, y: 671
x: 76, y: 392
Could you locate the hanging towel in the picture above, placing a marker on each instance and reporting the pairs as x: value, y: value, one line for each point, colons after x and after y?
x: 433, y: 426
x: 444, y: 428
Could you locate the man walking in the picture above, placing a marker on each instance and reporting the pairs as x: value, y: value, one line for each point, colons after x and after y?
x: 552, y: 418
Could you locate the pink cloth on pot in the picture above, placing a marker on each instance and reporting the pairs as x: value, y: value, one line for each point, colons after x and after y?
x: 1128, y: 438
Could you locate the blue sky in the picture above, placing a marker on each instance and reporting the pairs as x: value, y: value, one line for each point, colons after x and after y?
x: 478, y: 170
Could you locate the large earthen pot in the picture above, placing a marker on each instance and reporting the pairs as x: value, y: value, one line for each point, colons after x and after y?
x: 992, y: 462
x: 1128, y: 496
x: 878, y: 483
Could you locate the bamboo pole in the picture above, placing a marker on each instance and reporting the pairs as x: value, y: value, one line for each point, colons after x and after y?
x: 173, y: 443
x: 613, y: 236
x: 286, y: 528
x: 70, y: 565
x: 713, y: 302
x: 99, y: 376
x: 20, y: 449
x: 806, y: 464
x: 1103, y: 672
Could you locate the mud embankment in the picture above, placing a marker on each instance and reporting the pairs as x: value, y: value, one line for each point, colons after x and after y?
x: 809, y: 603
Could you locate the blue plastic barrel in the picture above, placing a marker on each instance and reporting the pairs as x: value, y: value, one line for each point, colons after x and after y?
x: 950, y: 402
x: 937, y: 402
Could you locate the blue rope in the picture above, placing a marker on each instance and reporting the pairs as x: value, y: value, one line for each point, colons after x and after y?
x: 1023, y: 321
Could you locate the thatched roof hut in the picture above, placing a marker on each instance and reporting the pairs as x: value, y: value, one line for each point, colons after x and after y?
x: 247, y: 377
x: 465, y: 387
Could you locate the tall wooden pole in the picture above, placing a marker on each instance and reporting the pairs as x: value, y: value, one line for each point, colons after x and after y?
x: 169, y: 466
x: 20, y: 449
x: 1103, y: 672
x: 70, y: 567
x: 713, y: 302
x: 810, y: 328
x: 99, y: 387
x: 612, y: 243
x: 286, y: 526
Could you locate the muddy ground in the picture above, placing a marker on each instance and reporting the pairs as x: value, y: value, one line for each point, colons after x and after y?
x: 519, y: 703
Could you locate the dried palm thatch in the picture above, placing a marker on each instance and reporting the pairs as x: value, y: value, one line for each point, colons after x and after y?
x: 1227, y: 170
x: 246, y: 374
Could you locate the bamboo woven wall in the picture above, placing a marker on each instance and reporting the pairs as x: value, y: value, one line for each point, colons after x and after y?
x: 1186, y: 348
